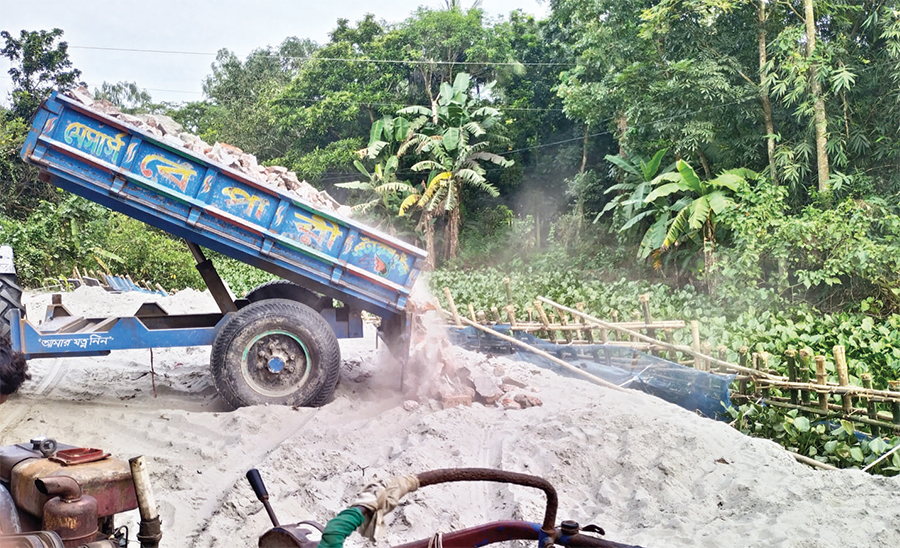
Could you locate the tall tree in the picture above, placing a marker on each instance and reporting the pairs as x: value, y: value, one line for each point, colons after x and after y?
x: 40, y: 65
x: 815, y: 86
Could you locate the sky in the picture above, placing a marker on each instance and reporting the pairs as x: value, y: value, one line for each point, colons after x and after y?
x: 197, y: 29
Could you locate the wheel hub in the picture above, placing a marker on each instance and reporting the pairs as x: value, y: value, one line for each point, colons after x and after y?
x: 275, y: 363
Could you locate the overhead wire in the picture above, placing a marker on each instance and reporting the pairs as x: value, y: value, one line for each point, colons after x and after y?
x: 344, y: 59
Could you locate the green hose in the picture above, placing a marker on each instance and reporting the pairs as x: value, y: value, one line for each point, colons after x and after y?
x: 340, y: 528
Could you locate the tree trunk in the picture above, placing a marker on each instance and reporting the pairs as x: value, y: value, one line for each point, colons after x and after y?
x: 764, y: 92
x: 818, y: 100
x: 453, y: 233
x: 428, y: 228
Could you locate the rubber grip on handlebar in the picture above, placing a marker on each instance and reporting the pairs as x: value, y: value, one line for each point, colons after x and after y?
x: 257, y: 484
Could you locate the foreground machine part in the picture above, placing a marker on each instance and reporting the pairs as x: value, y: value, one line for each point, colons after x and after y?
x: 59, y: 495
x: 322, y: 257
x: 378, y: 499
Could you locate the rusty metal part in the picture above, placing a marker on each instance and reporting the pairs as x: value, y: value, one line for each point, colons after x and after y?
x: 39, y: 539
x: 291, y: 536
x: 79, y: 455
x: 70, y: 513
x: 108, y: 481
x: 489, y: 533
x: 486, y: 474
x: 150, y: 531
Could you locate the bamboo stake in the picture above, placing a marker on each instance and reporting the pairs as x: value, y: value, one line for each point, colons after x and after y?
x: 871, y: 411
x: 722, y: 352
x: 763, y: 364
x: 695, y: 337
x: 742, y: 357
x: 894, y: 386
x: 840, y: 363
x: 511, y: 314
x: 539, y: 352
x: 670, y: 339
x: 804, y: 359
x: 614, y: 314
x: 587, y: 334
x: 791, y: 356
x: 551, y: 334
x: 452, y: 306
x: 645, y: 308
x: 509, y: 298
x: 820, y: 379
x: 707, y: 349
x: 564, y: 321
x: 496, y: 314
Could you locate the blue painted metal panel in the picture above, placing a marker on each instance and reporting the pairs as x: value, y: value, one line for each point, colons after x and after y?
x: 190, y: 196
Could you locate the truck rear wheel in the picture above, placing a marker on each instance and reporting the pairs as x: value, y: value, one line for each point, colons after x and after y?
x: 10, y: 298
x: 276, y: 351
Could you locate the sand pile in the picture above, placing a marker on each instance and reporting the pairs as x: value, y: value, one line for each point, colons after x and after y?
x: 169, y: 131
x: 647, y: 471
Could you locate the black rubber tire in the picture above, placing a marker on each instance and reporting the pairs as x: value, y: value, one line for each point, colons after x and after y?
x: 283, y: 289
x: 290, y: 335
x: 10, y: 298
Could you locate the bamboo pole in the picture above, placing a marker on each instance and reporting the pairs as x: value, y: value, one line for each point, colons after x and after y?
x: 812, y: 462
x: 820, y: 379
x: 593, y: 378
x: 722, y: 352
x: 840, y: 363
x: 452, y: 305
x: 472, y: 313
x: 509, y: 298
x: 833, y: 410
x: 871, y: 411
x: 614, y: 314
x: 680, y: 348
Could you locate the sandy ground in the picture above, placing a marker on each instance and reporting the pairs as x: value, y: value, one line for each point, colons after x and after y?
x: 647, y: 471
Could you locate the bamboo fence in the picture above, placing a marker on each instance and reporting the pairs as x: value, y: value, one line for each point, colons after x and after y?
x: 805, y: 387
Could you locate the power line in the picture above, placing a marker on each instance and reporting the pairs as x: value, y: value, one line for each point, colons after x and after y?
x: 343, y: 59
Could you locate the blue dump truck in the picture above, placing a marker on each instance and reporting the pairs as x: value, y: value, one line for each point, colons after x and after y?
x: 278, y: 344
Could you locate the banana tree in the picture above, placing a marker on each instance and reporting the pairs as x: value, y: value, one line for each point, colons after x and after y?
x: 453, y: 137
x: 693, y: 215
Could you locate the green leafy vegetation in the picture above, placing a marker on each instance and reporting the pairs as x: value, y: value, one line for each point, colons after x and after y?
x: 831, y: 442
